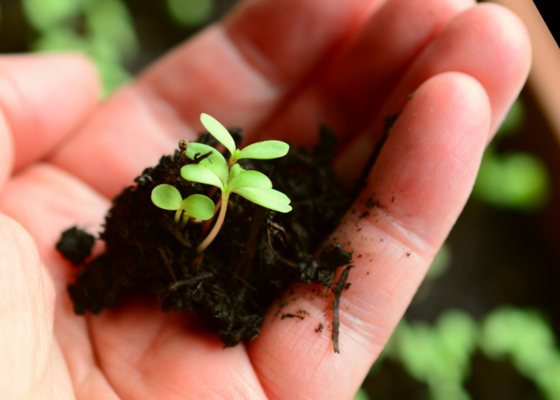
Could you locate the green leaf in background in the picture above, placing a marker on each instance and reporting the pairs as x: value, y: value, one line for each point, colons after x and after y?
x: 548, y: 380
x: 110, y: 28
x: 516, y: 180
x: 46, y: 14
x: 190, y: 13
x: 112, y: 74
x: 61, y: 39
x: 361, y: 395
x: 108, y: 35
x: 439, y: 355
x: 525, y: 337
x: 458, y: 335
x: 112, y: 41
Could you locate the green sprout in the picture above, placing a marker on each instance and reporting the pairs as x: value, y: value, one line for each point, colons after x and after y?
x: 229, y: 177
x: 197, y: 206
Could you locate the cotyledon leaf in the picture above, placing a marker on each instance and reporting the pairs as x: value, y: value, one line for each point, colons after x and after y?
x: 167, y: 197
x: 199, y: 206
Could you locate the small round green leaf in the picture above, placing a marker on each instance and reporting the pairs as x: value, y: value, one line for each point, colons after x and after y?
x: 218, y: 131
x: 264, y: 150
x: 199, y: 206
x: 268, y: 198
x: 201, y: 174
x: 250, y: 179
x: 166, y: 197
x: 215, y: 162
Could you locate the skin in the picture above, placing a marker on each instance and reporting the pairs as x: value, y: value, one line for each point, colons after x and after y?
x: 276, y: 68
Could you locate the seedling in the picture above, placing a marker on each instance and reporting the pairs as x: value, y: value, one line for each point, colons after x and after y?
x: 197, y: 206
x: 229, y: 177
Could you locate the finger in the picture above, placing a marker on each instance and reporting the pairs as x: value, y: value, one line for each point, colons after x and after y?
x: 487, y: 42
x: 496, y: 52
x: 46, y: 201
x: 42, y: 97
x: 238, y: 71
x: 349, y: 92
x: 26, y: 317
x: 421, y: 181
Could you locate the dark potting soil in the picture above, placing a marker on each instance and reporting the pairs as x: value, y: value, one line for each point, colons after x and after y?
x: 257, y: 254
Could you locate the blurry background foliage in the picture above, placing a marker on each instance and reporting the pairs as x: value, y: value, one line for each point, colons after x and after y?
x: 120, y: 36
x: 436, y: 359
x: 512, y: 180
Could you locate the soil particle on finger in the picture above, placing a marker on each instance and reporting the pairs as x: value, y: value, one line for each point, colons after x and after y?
x: 337, y: 290
x: 292, y: 316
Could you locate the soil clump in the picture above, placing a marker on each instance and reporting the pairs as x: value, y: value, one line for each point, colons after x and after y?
x: 257, y: 254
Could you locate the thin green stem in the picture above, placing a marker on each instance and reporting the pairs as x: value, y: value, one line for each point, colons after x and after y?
x: 185, y: 219
x: 219, y: 222
x: 178, y: 215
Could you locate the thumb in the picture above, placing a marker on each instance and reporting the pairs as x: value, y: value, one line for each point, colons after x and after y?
x: 26, y: 317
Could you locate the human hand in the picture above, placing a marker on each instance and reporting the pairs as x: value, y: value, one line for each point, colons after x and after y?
x: 277, y: 68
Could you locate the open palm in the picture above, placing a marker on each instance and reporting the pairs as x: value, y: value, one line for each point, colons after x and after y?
x: 277, y: 68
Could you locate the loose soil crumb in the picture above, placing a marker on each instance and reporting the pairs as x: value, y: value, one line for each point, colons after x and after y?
x: 292, y: 316
x: 75, y: 244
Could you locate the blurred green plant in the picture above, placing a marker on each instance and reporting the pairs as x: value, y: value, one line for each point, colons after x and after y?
x: 361, y: 395
x: 440, y: 355
x: 437, y: 355
x: 102, y: 29
x: 190, y: 13
x: 527, y: 340
x: 513, y: 180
